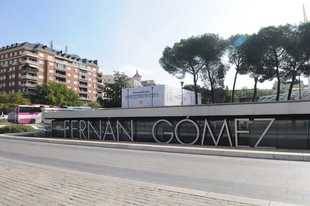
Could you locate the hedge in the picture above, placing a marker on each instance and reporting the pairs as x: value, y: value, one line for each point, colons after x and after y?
x: 15, y: 129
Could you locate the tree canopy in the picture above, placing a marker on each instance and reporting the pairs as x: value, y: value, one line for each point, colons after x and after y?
x: 8, y: 101
x: 296, y: 60
x: 192, y: 56
x: 213, y: 71
x: 55, y: 94
x: 274, y: 52
x: 113, y: 91
x: 236, y: 58
x: 272, y: 39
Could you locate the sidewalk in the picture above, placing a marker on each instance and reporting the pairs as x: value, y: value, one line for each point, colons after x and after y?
x: 293, y: 155
x: 32, y: 184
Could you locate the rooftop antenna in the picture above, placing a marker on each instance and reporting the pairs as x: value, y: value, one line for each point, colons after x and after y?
x: 52, y: 44
x: 305, y: 14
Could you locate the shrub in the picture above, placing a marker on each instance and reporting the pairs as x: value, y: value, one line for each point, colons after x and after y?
x: 15, y: 129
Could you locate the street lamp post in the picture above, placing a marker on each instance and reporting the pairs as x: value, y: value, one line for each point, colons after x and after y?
x: 182, y: 83
x: 299, y: 88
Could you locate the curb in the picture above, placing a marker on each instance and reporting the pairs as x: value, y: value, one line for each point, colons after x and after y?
x: 245, y: 153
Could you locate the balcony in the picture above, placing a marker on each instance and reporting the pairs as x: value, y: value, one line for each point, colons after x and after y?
x: 30, y: 84
x: 30, y: 77
x: 99, y: 77
x: 60, y: 79
x: 100, y: 85
x: 83, y: 80
x: 30, y: 63
x: 61, y: 75
x: 83, y: 85
x: 31, y: 54
x: 83, y: 91
x: 83, y: 96
x: 30, y: 68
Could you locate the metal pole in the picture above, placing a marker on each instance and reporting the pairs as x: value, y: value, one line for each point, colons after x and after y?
x: 127, y: 97
x: 299, y: 87
x: 182, y: 83
x: 152, y: 96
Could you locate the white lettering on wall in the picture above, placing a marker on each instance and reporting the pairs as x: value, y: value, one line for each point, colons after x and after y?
x: 176, y: 131
x: 237, y: 131
x: 271, y: 120
x: 108, y: 130
x: 120, y: 126
x: 217, y: 140
x: 91, y: 127
x: 73, y: 128
x: 168, y: 133
x: 165, y: 126
x: 82, y: 125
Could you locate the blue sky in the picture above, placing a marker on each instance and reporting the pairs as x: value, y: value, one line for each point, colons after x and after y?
x: 127, y: 35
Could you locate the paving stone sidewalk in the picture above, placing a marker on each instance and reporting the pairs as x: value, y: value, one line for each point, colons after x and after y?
x: 27, y: 184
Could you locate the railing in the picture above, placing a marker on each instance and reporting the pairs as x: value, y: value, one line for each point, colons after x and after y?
x: 29, y: 84
x: 31, y: 63
x: 60, y: 75
x: 83, y: 86
x: 83, y: 91
x: 28, y: 76
x: 82, y: 79
x: 28, y: 53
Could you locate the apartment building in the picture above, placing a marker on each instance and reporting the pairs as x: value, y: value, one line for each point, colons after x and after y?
x: 23, y: 66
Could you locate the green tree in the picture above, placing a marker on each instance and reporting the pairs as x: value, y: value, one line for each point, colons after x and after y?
x: 272, y: 39
x: 193, y: 56
x: 296, y: 60
x: 213, y: 77
x: 183, y: 58
x: 212, y: 48
x: 227, y: 95
x: 253, y: 51
x: 10, y: 101
x: 236, y: 58
x: 305, y: 38
x: 94, y: 104
x: 113, y: 91
x: 55, y: 94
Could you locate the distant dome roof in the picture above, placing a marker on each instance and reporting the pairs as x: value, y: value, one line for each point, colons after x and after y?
x: 137, y: 76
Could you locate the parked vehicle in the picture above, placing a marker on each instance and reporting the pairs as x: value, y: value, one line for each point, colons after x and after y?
x: 3, y: 116
x: 26, y: 114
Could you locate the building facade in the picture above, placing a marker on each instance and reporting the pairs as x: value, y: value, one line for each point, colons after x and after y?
x: 157, y: 96
x: 23, y: 66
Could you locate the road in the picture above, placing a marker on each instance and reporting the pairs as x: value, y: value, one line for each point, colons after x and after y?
x: 284, y: 181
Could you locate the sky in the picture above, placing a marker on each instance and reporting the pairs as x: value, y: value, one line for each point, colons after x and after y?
x: 130, y: 35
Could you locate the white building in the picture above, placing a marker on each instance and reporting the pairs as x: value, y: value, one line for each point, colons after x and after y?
x: 157, y: 96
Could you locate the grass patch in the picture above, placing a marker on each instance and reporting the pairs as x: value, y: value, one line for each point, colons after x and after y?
x: 4, y: 122
x: 15, y: 129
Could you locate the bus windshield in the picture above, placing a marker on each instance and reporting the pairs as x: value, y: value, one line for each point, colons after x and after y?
x: 30, y: 109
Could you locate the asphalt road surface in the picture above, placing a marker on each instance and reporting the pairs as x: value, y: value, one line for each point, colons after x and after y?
x: 284, y: 181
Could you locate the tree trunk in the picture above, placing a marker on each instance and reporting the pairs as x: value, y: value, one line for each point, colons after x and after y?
x: 195, y: 89
x: 233, y: 89
x: 299, y: 87
x: 212, y: 92
x: 278, y: 86
x: 291, y: 88
x: 255, y: 89
x: 212, y: 87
